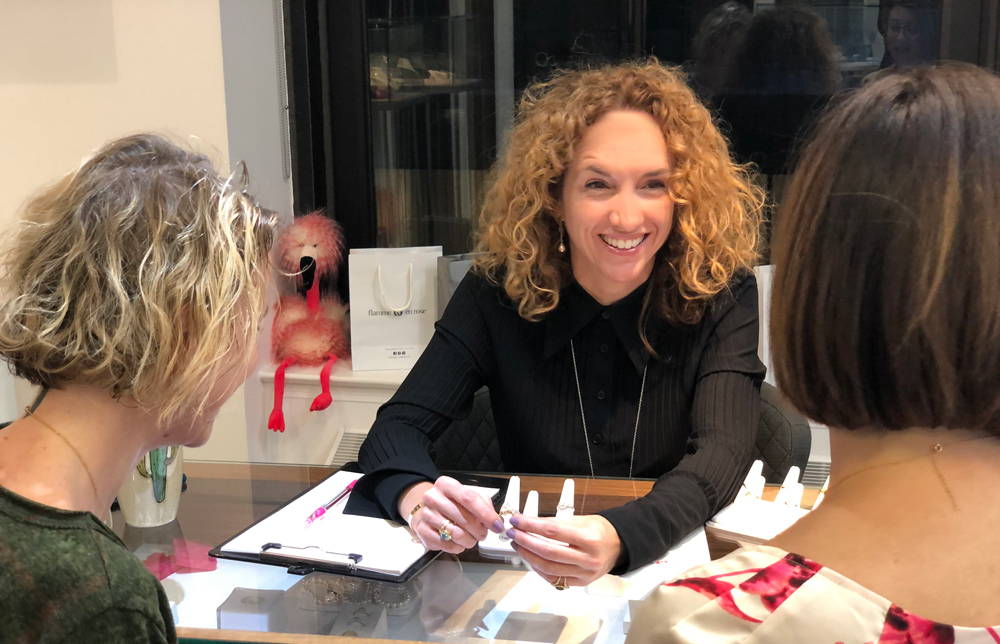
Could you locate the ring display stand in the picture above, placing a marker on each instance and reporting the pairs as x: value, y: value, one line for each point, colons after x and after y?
x: 498, y: 546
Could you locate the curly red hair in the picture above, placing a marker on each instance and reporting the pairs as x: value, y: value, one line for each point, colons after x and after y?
x: 716, y: 212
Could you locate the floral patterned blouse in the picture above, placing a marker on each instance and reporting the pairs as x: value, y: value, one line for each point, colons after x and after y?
x: 763, y: 594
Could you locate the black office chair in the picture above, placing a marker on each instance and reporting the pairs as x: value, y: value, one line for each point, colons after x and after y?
x: 783, y: 438
x: 470, y: 444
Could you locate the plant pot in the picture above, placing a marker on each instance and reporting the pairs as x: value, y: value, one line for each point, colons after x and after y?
x: 152, y: 492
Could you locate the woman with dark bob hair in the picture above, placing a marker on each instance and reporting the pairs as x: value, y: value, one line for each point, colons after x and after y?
x: 133, y: 291
x: 612, y: 314
x: 886, y: 327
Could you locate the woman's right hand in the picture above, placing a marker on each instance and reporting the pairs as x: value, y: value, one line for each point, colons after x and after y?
x: 448, y: 504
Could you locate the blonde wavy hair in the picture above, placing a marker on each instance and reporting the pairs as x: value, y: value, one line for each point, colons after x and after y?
x: 143, y: 272
x: 716, y: 212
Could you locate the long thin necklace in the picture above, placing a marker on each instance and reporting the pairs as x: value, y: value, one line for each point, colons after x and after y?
x: 86, y: 468
x: 583, y: 416
x: 935, y: 450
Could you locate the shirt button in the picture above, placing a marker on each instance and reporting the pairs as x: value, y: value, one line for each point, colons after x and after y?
x: 604, y: 348
x: 601, y: 395
x: 597, y: 439
x: 606, y: 314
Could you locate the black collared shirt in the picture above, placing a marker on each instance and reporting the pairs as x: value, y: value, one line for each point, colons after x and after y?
x: 696, y: 427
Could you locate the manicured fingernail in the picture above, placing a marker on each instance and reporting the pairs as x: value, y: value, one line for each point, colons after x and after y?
x: 498, y: 526
x: 514, y: 521
x: 510, y: 533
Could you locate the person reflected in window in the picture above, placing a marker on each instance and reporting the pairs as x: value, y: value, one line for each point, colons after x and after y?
x: 782, y: 75
x: 886, y: 327
x: 910, y: 29
x: 612, y: 314
x: 134, y: 289
x: 719, y: 36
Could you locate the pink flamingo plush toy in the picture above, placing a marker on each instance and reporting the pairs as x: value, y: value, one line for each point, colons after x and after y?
x: 308, y: 332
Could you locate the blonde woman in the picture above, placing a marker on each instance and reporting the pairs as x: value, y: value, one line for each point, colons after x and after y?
x: 613, y: 316
x: 886, y: 327
x: 133, y: 290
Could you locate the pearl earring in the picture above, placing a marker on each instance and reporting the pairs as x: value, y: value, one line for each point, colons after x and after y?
x: 562, y: 245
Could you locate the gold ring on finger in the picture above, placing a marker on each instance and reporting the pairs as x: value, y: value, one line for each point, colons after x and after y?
x: 560, y: 583
x: 444, y: 531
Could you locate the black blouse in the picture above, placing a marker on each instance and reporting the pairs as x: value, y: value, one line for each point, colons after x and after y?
x: 697, y: 424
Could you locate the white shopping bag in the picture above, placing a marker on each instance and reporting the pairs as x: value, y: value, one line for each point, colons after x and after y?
x: 393, y: 305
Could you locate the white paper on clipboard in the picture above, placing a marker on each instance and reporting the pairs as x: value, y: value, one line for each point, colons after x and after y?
x: 365, y: 543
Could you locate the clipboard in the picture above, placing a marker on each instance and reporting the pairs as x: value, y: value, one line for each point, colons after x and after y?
x: 339, y: 546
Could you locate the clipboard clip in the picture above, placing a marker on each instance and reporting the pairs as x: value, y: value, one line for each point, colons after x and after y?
x: 301, y: 569
x: 349, y: 560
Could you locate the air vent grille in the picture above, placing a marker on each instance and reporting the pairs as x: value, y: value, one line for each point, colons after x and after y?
x: 347, y: 450
x: 816, y: 473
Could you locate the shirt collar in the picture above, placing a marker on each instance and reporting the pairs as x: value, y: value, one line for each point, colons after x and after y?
x: 577, y: 309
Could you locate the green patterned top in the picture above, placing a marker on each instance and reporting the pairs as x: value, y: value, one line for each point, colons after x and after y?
x: 65, y: 577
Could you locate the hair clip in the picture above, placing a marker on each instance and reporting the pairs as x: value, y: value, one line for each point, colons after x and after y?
x: 244, y: 175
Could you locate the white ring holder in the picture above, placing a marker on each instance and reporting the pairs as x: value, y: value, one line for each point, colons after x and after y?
x: 749, y: 519
x: 791, y: 490
x: 753, y: 484
x: 499, y: 545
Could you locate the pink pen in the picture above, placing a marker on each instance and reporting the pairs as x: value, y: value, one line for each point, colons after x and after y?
x: 321, y: 510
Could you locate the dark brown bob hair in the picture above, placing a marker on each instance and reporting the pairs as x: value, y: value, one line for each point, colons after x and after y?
x: 886, y: 294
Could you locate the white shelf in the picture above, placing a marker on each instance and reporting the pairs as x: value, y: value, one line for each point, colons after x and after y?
x: 342, y: 375
x: 329, y: 436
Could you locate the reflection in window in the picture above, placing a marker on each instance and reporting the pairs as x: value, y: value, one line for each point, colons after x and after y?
x: 444, y: 76
x: 911, y: 32
x: 781, y: 74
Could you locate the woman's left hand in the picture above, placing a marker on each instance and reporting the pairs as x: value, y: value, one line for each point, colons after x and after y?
x: 592, y: 547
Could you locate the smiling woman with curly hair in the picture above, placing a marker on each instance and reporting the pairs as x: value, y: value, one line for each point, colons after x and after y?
x: 612, y: 314
x: 715, y: 206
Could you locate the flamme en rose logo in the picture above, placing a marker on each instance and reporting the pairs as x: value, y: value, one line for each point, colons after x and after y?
x: 395, y: 314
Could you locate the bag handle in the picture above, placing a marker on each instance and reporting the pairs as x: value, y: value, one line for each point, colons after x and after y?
x: 409, y: 288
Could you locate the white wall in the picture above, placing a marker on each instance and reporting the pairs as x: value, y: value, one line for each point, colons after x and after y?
x: 257, y: 122
x: 764, y: 274
x: 256, y: 97
x: 8, y: 396
x: 75, y: 73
